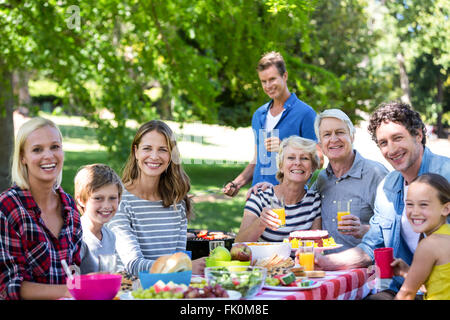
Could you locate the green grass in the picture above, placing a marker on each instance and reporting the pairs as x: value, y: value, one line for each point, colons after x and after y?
x: 221, y: 214
x: 224, y: 215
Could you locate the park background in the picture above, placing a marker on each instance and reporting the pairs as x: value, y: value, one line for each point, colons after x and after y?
x: 101, y: 68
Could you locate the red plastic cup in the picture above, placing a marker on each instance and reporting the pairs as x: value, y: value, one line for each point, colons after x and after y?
x: 383, y: 259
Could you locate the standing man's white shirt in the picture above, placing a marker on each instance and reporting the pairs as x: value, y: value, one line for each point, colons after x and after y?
x: 272, y: 121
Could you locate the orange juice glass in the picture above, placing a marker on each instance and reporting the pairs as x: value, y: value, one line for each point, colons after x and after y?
x: 306, y: 255
x: 306, y: 259
x: 281, y: 213
x: 340, y: 214
x: 277, y: 206
x: 343, y: 210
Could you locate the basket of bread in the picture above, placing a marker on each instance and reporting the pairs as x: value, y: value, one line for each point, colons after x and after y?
x: 176, y: 268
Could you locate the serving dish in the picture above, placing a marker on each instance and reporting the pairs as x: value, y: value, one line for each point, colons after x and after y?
x: 149, y: 279
x: 247, y: 280
x: 263, y: 250
x: 315, y: 284
x: 232, y: 295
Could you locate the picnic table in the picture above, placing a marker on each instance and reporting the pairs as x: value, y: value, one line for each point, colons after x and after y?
x: 352, y: 284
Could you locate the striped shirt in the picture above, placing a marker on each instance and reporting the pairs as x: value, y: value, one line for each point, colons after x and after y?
x: 145, y: 230
x: 299, y: 216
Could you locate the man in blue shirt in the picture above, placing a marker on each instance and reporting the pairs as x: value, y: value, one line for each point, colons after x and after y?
x: 400, y: 134
x: 283, y: 116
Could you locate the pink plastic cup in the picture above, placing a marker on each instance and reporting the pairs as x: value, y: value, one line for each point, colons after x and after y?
x: 383, y: 259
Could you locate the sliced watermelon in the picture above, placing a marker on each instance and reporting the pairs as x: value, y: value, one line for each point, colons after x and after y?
x: 286, y: 279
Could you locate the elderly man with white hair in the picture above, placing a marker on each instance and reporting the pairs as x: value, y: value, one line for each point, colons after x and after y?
x: 349, y: 177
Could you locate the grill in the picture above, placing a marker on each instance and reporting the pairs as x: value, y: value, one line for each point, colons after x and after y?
x: 201, y: 247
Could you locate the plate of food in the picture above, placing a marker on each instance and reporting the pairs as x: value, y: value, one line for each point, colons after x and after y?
x: 288, y: 281
x: 321, y: 238
x: 298, y: 284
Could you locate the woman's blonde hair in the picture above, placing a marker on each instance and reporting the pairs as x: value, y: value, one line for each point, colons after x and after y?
x: 92, y: 177
x: 306, y: 145
x: 19, y: 171
x: 174, y: 183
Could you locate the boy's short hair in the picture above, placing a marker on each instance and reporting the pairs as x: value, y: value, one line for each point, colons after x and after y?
x: 90, y: 178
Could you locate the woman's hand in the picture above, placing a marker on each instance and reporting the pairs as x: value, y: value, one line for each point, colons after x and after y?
x: 400, y: 267
x: 351, y: 225
x: 198, y: 266
x: 260, y: 185
x: 270, y: 219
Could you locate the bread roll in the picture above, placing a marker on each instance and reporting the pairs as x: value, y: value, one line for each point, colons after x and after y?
x: 159, y: 263
x: 315, y: 274
x: 176, y: 262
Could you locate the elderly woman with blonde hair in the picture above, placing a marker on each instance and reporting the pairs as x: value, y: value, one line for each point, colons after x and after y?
x: 39, y: 222
x: 297, y: 160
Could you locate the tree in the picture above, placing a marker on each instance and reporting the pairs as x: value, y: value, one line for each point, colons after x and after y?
x: 431, y: 91
x: 6, y: 124
x: 33, y: 36
x: 202, y: 54
x: 341, y: 73
x: 423, y: 32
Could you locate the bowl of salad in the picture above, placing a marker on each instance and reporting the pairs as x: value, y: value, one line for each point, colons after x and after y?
x: 245, y: 279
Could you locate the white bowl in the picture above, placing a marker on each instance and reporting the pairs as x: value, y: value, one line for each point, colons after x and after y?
x: 261, y: 250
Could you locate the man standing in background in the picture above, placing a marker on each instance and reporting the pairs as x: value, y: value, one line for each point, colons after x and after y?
x: 283, y: 116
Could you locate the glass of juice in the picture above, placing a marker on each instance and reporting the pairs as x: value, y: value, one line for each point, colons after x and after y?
x: 343, y: 210
x: 305, y: 255
x: 277, y: 206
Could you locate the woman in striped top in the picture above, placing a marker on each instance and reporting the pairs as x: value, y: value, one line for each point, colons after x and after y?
x: 297, y: 159
x: 154, y: 210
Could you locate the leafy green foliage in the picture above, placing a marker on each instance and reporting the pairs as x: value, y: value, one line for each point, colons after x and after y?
x: 424, y: 31
x: 201, y: 55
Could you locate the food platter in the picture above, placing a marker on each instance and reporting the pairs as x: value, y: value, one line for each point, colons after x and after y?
x: 233, y: 295
x: 316, y: 284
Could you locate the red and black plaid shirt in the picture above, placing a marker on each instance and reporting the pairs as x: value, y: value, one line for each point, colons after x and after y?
x: 28, y: 250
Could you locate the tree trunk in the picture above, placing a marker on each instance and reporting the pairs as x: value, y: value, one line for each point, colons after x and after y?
x: 440, y: 132
x: 404, y: 81
x: 6, y: 125
x: 20, y: 80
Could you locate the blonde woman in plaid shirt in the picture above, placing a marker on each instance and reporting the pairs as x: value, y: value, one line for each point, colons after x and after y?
x: 39, y: 222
